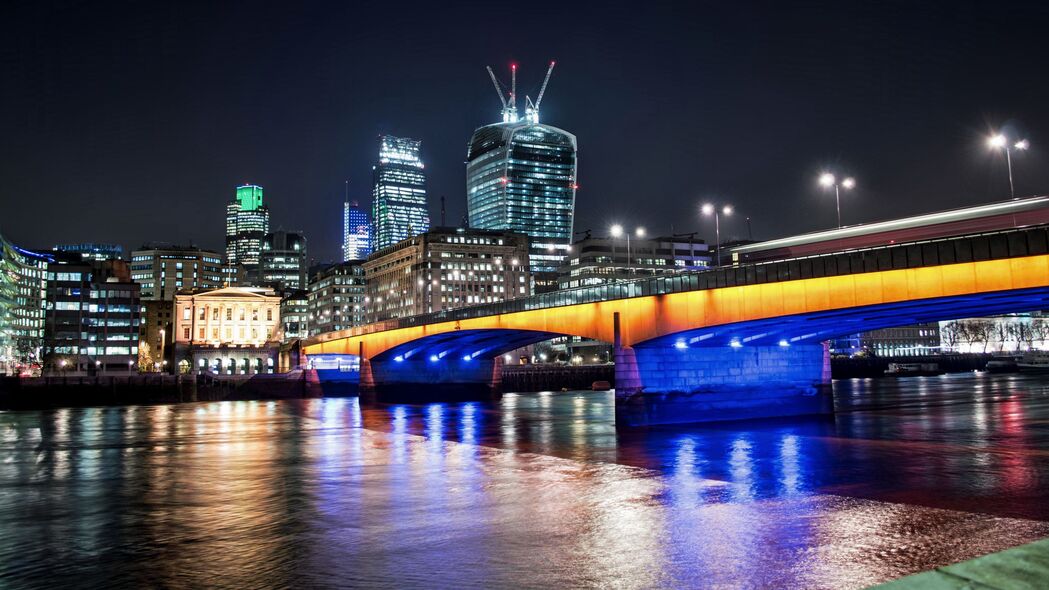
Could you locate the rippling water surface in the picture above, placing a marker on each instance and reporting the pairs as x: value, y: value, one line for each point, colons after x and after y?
x: 537, y: 490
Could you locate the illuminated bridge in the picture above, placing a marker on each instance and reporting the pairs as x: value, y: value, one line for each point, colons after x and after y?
x: 732, y: 342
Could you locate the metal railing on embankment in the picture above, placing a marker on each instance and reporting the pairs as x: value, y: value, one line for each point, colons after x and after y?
x: 527, y: 378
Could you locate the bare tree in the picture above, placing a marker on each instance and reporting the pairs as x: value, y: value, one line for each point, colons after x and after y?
x: 1001, y: 330
x: 951, y: 334
x: 1039, y: 331
x: 1020, y: 332
x: 976, y: 331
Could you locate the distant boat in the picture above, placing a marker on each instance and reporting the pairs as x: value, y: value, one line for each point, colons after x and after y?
x: 913, y: 370
x: 1034, y: 362
x: 1002, y: 364
x: 600, y: 386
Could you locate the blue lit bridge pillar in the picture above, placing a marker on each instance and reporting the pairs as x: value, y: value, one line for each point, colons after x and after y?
x: 669, y: 384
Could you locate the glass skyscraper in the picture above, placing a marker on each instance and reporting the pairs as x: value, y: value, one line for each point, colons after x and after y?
x: 521, y: 176
x: 356, y: 232
x: 247, y: 222
x: 399, y: 208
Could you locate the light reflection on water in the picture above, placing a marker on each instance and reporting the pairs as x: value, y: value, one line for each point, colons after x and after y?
x: 534, y: 490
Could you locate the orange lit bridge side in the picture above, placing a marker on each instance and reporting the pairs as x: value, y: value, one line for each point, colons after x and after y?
x: 789, y: 312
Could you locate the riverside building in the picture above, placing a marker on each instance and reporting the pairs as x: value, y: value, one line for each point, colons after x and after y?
x: 92, y: 318
x: 232, y: 330
x: 336, y: 298
x: 599, y: 261
x: 23, y: 284
x: 446, y: 268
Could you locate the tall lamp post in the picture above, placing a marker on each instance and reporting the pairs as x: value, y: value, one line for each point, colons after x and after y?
x: 1000, y: 141
x: 828, y: 180
x: 717, y: 211
x: 616, y: 231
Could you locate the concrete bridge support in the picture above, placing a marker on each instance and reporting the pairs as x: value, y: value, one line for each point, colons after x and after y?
x: 670, y: 384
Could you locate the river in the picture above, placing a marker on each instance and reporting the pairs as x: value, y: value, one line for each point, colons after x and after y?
x: 535, y: 490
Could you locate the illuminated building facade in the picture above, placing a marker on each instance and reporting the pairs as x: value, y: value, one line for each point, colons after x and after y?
x: 337, y: 298
x: 447, y: 268
x: 294, y: 315
x: 92, y: 318
x: 599, y: 261
x: 282, y: 263
x: 163, y: 270
x: 356, y: 232
x: 23, y: 284
x: 247, y: 223
x: 521, y: 176
x: 90, y: 251
x: 399, y: 207
x: 232, y: 331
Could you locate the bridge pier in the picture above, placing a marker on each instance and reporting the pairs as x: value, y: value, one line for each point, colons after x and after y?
x: 668, y: 384
x: 429, y: 379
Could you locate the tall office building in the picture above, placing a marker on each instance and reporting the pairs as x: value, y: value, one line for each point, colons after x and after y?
x: 356, y: 232
x: 521, y: 176
x: 247, y: 223
x: 399, y: 208
x: 282, y: 263
x: 23, y: 284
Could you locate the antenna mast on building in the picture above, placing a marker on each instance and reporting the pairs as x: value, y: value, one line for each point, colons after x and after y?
x: 442, y: 210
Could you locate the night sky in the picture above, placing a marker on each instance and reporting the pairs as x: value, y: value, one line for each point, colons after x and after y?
x: 133, y: 122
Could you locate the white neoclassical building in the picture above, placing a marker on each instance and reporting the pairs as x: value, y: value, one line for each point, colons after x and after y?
x: 230, y: 331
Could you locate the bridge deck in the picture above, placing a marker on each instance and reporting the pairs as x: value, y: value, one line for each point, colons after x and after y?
x: 943, y: 251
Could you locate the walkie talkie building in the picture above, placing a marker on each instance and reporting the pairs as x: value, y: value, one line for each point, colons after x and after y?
x: 521, y: 176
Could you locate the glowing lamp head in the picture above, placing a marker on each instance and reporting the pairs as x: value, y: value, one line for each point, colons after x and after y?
x: 726, y: 210
x: 997, y: 141
x: 1023, y: 144
x: 640, y: 232
x: 848, y: 183
x: 827, y: 179
x: 616, y: 230
x: 707, y: 209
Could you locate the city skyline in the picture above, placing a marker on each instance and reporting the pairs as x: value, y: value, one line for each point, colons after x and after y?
x: 875, y: 108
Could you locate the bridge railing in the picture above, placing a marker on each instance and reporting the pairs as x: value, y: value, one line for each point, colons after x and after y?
x: 970, y: 248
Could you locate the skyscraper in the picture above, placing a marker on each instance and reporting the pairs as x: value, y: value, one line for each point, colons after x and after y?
x: 399, y: 208
x: 521, y: 176
x: 247, y: 222
x: 356, y: 232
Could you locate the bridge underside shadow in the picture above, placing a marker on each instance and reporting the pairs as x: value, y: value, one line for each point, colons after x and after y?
x: 462, y: 364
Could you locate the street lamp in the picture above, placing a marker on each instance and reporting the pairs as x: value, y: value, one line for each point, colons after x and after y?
x: 616, y: 231
x: 708, y: 210
x: 828, y: 180
x: 1000, y: 141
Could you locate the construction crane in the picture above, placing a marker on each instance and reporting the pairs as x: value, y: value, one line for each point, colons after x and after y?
x: 498, y: 87
x: 508, y: 97
x: 532, y: 109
